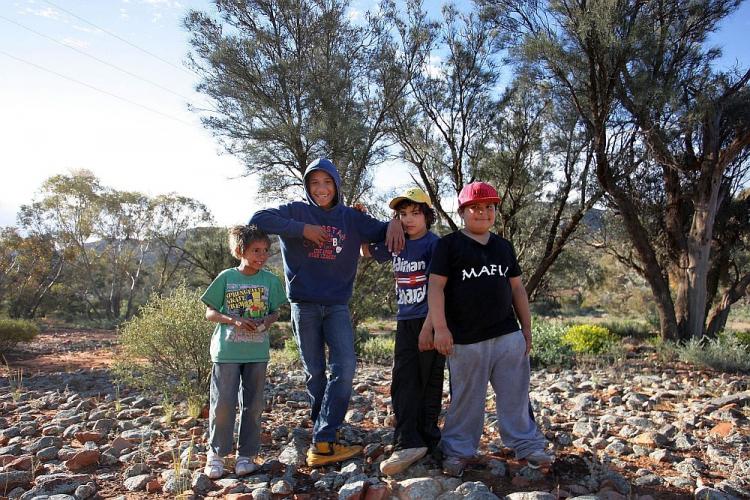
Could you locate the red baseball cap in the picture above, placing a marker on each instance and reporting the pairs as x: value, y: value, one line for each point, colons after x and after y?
x: 477, y: 192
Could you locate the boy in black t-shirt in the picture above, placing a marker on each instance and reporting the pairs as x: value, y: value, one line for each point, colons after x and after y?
x: 475, y: 294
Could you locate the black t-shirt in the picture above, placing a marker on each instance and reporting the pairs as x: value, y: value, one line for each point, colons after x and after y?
x: 478, y: 299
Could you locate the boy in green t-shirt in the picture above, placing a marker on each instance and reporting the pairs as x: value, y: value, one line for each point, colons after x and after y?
x: 243, y: 301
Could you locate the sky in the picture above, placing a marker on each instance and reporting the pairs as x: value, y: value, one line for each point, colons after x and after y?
x: 101, y: 85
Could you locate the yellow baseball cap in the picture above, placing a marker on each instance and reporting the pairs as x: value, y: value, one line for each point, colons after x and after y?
x: 412, y: 194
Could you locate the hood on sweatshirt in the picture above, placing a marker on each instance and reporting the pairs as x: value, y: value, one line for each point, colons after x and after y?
x: 328, y: 167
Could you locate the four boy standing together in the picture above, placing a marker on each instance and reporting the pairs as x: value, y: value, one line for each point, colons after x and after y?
x: 465, y: 287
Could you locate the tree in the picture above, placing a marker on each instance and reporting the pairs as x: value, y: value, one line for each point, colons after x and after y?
x: 29, y: 268
x: 456, y: 126
x: 446, y: 118
x: 628, y: 67
x: 294, y: 80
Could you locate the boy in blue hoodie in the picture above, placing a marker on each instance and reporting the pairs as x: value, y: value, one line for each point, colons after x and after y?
x: 320, y: 242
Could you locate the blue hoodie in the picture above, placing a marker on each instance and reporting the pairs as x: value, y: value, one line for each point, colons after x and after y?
x: 325, y: 274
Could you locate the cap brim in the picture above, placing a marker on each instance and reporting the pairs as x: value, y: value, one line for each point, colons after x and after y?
x: 491, y: 199
x: 399, y: 199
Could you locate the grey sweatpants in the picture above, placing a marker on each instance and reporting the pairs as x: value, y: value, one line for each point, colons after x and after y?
x: 501, y: 362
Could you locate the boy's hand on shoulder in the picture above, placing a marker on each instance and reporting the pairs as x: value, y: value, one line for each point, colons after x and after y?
x: 394, y: 237
x: 316, y: 234
x: 443, y: 341
x: 426, y: 340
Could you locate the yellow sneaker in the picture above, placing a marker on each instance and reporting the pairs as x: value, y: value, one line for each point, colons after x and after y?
x: 325, y: 452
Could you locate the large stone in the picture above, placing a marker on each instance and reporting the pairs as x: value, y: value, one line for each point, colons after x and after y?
x: 531, y: 495
x: 418, y: 489
x: 706, y: 493
x: 83, y: 459
x: 55, y: 484
x: 352, y: 491
x: 295, y: 453
x: 137, y: 483
x: 14, y: 479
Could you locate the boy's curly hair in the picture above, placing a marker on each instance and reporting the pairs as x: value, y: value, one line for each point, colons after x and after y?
x: 240, y: 238
x: 428, y: 211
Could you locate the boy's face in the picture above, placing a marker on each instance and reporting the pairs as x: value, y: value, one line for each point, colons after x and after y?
x: 322, y: 188
x: 255, y: 255
x: 413, y: 220
x: 478, y: 217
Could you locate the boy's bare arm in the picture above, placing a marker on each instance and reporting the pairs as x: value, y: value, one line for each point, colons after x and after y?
x: 426, y: 341
x: 436, y: 305
x: 217, y: 317
x: 394, y: 237
x: 521, y: 306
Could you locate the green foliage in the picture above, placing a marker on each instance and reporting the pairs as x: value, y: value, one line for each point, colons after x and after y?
x: 725, y: 354
x: 13, y: 331
x: 286, y: 357
x: 361, y: 337
x: 548, y: 348
x: 378, y: 349
x: 588, y: 339
x: 743, y: 339
x: 629, y: 328
x: 165, y: 350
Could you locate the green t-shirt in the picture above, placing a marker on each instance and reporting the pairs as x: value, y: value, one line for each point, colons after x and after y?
x: 242, y: 296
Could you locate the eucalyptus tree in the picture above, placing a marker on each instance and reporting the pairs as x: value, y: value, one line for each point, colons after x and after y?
x: 292, y: 80
x: 444, y: 121
x: 640, y: 75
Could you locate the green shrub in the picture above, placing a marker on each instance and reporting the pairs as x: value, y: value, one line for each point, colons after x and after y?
x: 13, y: 331
x: 548, y: 349
x: 628, y: 328
x: 588, y: 339
x: 725, y: 354
x: 743, y: 339
x: 287, y: 357
x: 379, y: 349
x: 361, y: 336
x: 165, y: 350
x: 278, y: 334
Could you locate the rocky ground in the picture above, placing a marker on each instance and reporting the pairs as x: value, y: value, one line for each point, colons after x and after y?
x: 634, y: 431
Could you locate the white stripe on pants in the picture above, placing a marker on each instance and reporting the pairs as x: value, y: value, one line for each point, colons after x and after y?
x: 501, y: 362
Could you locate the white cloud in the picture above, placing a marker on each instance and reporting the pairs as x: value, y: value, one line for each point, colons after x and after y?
x: 47, y: 12
x: 85, y: 29
x: 124, y: 14
x: 156, y: 17
x: 74, y: 42
x: 169, y: 4
x: 355, y: 15
x: 432, y: 67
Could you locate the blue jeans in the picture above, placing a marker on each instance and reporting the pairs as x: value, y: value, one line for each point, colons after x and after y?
x: 232, y: 383
x: 315, y: 327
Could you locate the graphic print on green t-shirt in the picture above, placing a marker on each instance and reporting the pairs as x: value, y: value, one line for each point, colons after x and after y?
x: 245, y: 301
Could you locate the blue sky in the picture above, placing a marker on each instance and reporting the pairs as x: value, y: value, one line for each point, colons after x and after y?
x: 63, y: 110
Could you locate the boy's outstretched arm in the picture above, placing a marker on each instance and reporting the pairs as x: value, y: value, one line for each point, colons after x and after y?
x: 436, y: 305
x: 279, y: 221
x: 521, y: 306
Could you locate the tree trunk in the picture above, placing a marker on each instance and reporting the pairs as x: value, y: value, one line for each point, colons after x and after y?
x: 699, y: 250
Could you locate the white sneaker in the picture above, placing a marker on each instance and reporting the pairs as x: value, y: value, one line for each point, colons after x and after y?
x: 214, y: 468
x: 539, y: 458
x: 400, y: 460
x: 244, y: 466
